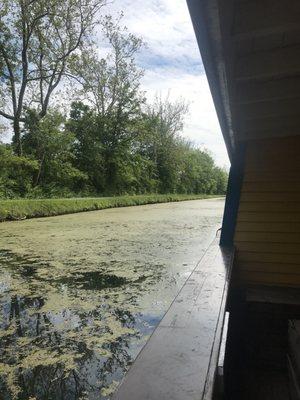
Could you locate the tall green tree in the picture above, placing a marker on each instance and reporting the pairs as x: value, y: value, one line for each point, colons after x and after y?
x: 112, y: 86
x: 37, y: 39
x: 88, y: 145
x: 48, y: 142
x: 166, y: 120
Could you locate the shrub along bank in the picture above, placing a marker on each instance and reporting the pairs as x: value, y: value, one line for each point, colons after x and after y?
x: 32, y: 208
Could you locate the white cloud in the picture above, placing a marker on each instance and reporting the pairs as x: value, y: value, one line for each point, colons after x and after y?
x: 172, y: 63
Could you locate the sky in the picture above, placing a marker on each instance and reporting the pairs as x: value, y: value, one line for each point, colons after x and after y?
x: 172, y: 64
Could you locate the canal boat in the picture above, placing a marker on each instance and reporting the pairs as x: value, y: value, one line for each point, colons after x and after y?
x: 233, y: 332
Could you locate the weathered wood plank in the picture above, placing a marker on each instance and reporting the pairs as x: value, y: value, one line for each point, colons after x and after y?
x: 287, y: 127
x: 278, y: 154
x: 267, y: 234
x: 289, y: 176
x: 270, y: 267
x: 258, y: 206
x: 291, y: 169
x: 266, y: 216
x: 289, y: 227
x: 274, y: 295
x: 265, y: 17
x: 267, y: 237
x: 272, y: 186
x: 275, y: 63
x: 269, y: 109
x: 277, y: 259
x: 266, y: 128
x: 263, y: 278
x: 268, y: 90
x: 271, y: 197
x: 263, y: 247
x: 176, y: 363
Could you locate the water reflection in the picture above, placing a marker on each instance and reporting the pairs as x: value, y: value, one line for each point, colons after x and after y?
x: 95, y: 280
x: 73, y: 350
x: 80, y: 294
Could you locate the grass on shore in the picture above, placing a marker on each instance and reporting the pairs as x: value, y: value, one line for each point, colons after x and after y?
x: 33, y: 208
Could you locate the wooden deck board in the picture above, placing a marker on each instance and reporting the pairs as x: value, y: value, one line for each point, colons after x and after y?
x: 180, y: 358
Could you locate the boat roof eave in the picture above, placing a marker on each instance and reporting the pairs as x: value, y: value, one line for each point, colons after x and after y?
x: 206, y: 22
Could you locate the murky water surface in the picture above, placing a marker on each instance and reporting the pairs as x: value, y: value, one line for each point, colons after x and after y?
x: 80, y: 294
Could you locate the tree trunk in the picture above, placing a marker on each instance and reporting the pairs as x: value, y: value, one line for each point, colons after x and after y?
x: 17, y: 138
x: 37, y: 179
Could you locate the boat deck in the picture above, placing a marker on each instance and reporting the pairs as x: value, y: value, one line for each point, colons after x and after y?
x: 180, y: 358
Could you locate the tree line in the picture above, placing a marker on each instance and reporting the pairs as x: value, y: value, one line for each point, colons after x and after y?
x: 111, y: 140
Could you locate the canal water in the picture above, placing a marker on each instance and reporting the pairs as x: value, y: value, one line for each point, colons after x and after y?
x: 80, y: 294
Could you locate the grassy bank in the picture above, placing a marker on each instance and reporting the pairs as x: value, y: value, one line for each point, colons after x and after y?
x: 32, y: 208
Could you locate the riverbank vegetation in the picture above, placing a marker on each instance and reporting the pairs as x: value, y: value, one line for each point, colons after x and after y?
x: 32, y: 208
x: 81, y: 123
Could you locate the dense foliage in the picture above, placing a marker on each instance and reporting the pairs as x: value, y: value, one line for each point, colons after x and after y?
x: 81, y: 155
x: 111, y: 141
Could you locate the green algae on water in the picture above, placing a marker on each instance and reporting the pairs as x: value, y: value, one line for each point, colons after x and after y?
x: 80, y: 294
